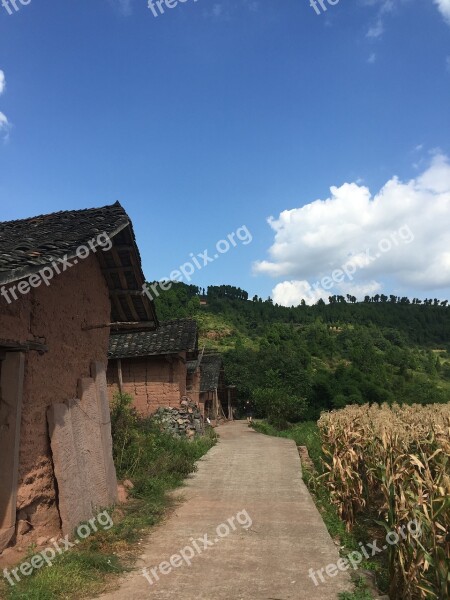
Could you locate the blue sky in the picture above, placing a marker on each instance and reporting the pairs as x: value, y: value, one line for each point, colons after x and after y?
x: 217, y: 115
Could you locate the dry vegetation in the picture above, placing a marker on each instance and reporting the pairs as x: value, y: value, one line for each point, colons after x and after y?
x: 394, y: 463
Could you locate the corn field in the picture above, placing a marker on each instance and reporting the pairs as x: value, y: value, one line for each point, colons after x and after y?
x: 393, y: 463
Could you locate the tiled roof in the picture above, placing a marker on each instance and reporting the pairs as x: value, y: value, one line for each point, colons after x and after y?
x: 28, y: 245
x: 170, y: 338
x: 210, y: 369
x: 191, y: 366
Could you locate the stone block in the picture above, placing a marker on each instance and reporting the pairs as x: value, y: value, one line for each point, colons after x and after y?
x: 69, y: 465
x: 98, y: 373
x: 89, y: 417
x: 81, y: 443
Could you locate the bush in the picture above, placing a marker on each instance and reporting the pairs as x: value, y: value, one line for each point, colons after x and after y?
x: 279, y: 406
x: 143, y: 452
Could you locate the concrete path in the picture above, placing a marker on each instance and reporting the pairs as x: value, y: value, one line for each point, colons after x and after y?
x: 276, y: 535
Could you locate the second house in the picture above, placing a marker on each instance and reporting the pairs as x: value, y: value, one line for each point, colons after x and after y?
x: 157, y: 368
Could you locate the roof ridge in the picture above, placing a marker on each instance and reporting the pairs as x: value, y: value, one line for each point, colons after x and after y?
x: 62, y: 212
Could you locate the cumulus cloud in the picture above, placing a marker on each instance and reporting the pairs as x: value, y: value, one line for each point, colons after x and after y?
x: 444, y: 8
x: 401, y: 234
x: 291, y: 293
x: 2, y: 82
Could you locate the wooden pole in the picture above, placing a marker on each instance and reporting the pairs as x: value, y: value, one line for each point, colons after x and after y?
x: 216, y: 404
x: 119, y: 375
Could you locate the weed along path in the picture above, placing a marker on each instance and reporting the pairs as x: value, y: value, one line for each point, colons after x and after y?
x: 246, y: 530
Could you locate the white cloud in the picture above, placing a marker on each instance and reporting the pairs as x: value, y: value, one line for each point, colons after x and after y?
x: 291, y: 293
x: 372, y: 58
x: 444, y: 8
x: 252, y: 5
x: 384, y: 7
x: 314, y: 240
x: 225, y: 11
x: 359, y: 290
x: 218, y: 11
x: 122, y: 6
x: 376, y: 30
x: 5, y: 127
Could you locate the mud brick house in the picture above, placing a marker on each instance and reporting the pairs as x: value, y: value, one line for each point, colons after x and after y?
x: 75, y: 276
x: 213, y: 393
x: 156, y: 367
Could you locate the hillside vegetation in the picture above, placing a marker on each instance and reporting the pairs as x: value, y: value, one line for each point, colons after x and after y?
x: 291, y: 363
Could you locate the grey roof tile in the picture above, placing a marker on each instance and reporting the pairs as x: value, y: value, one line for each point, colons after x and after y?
x: 171, y: 337
x: 26, y: 245
x: 210, y: 368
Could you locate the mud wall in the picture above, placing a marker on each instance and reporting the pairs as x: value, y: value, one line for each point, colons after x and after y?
x: 56, y: 316
x: 193, y: 386
x: 153, y: 381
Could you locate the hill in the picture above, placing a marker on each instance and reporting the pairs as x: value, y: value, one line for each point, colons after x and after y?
x: 291, y: 363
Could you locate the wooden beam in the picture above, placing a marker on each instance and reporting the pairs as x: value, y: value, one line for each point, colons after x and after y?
x: 118, y: 263
x: 132, y: 307
x: 116, y: 269
x: 122, y: 247
x: 119, y: 375
x: 125, y: 324
x: 215, y: 404
x: 23, y: 346
x: 127, y: 292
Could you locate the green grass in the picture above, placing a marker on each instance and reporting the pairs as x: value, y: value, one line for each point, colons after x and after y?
x: 360, y: 592
x: 219, y: 333
x: 156, y: 463
x: 73, y: 575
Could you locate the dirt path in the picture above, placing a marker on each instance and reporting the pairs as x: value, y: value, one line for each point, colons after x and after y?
x: 247, y: 476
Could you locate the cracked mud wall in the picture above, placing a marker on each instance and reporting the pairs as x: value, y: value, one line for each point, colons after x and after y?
x: 55, y: 316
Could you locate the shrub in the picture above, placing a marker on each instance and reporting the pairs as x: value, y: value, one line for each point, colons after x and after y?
x: 279, y: 406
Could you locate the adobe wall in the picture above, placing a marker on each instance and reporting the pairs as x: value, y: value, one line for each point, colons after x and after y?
x: 55, y: 315
x: 153, y: 381
x: 193, y: 386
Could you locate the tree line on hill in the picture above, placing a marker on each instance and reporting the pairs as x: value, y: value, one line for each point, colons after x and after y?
x: 292, y: 363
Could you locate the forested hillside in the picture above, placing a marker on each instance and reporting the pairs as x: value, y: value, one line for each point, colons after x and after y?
x: 294, y: 362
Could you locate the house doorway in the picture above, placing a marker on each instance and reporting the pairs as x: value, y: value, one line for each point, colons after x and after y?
x: 11, y: 391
